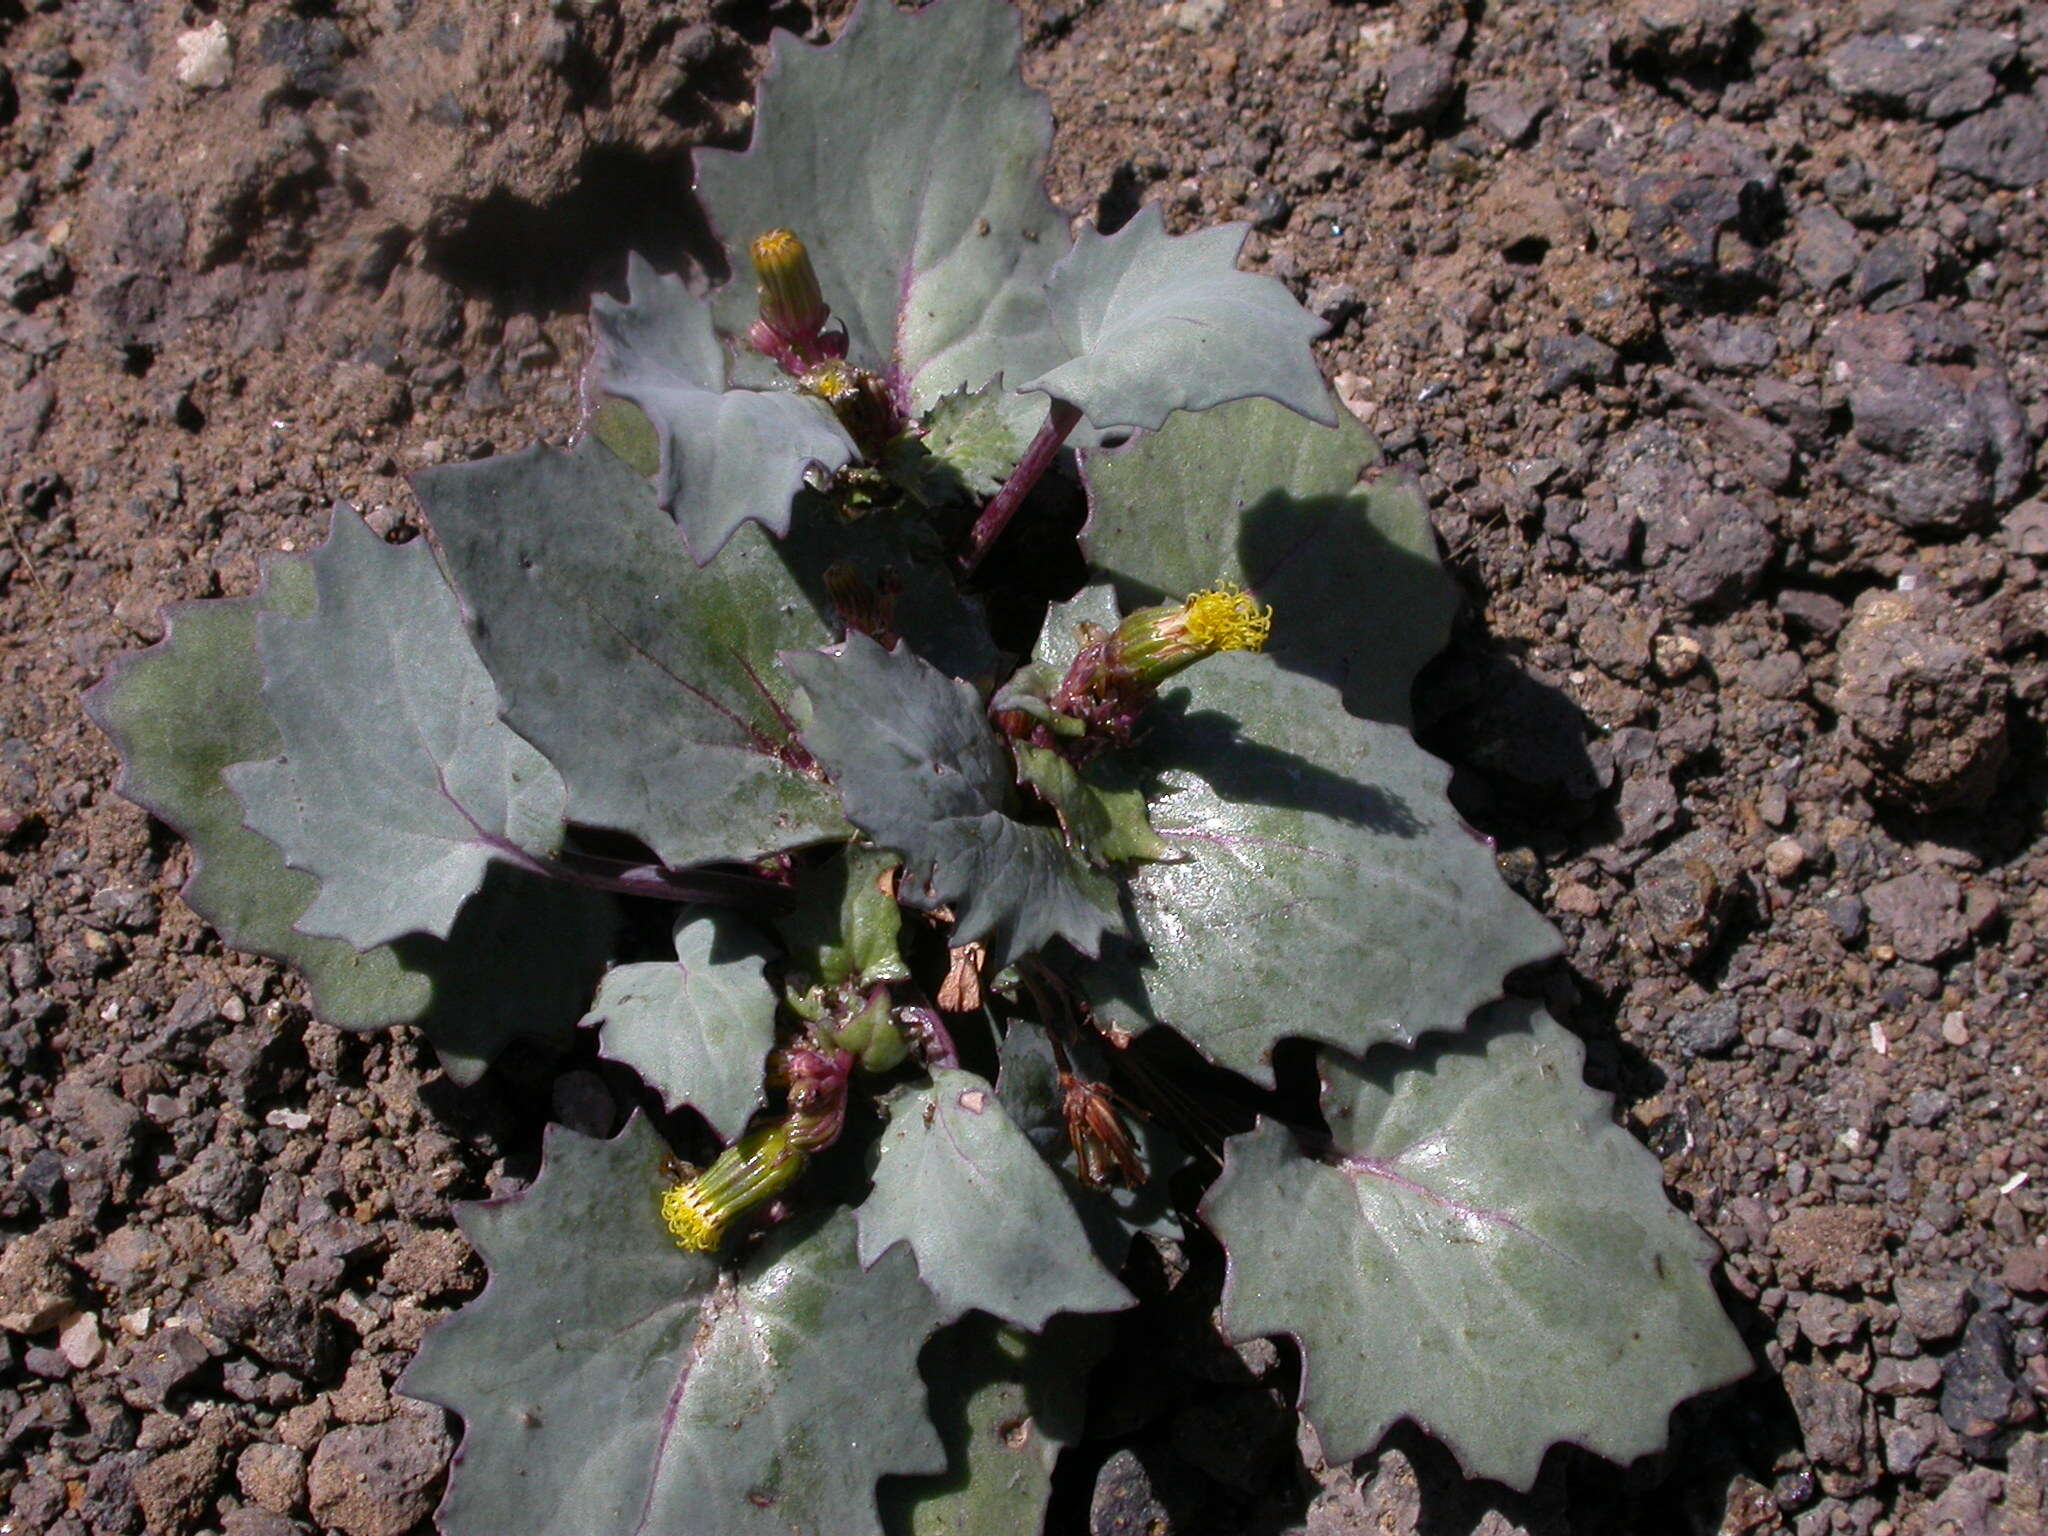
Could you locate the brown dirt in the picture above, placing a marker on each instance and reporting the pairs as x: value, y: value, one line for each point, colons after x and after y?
x: 1723, y: 366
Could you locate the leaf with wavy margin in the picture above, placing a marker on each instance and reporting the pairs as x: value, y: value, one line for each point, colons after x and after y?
x: 919, y: 769
x: 1484, y: 1251
x: 610, y: 1384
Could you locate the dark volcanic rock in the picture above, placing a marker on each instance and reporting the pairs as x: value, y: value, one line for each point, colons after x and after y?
x: 1685, y: 892
x: 1939, y: 439
x: 1708, y: 1030
x: 290, y: 1332
x: 1934, y: 75
x: 1980, y: 1393
x: 1699, y: 229
x: 2004, y: 147
x: 1826, y: 248
x: 1420, y: 84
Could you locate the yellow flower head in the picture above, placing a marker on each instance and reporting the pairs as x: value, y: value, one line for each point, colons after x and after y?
x: 749, y: 1173
x: 1226, y: 619
x: 691, y: 1219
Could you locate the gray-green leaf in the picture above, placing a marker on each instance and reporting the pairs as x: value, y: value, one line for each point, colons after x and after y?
x: 727, y: 455
x: 697, y: 1029
x: 647, y: 681
x: 398, y: 783
x: 524, y: 953
x: 1153, y: 323
x: 989, y: 1223
x: 910, y: 157
x: 1006, y: 1403
x: 1325, y: 887
x: 611, y: 1384
x: 845, y: 928
x: 920, y: 771
x: 1256, y: 495
x: 1485, y: 1253
x: 969, y: 446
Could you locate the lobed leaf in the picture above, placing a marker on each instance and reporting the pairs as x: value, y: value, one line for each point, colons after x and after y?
x: 610, y: 1383
x: 523, y: 954
x: 926, y: 218
x: 989, y: 1224
x: 1324, y: 887
x: 969, y: 446
x: 697, y: 1029
x: 1484, y: 1252
x: 1152, y: 323
x: 646, y: 680
x: 398, y: 784
x: 920, y: 771
x: 1299, y: 513
x: 727, y: 455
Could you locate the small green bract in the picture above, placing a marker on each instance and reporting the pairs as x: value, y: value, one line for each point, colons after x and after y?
x: 699, y: 734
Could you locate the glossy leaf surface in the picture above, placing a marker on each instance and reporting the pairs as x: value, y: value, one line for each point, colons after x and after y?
x: 610, y: 1383
x: 1484, y: 1252
x: 990, y: 1225
x: 1323, y: 886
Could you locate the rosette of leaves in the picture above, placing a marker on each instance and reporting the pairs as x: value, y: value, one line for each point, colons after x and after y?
x: 695, y: 732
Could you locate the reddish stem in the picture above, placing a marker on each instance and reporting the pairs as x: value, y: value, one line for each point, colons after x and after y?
x: 1045, y: 447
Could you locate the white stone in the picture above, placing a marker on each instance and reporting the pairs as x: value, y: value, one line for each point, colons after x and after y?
x: 80, y: 1342
x: 206, y: 57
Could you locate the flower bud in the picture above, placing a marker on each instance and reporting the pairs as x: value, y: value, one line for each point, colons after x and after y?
x: 749, y: 1173
x: 792, y: 304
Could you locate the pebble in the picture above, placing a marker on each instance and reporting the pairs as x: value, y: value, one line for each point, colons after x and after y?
x: 1921, y: 914
x: 81, y: 1342
x: 1934, y: 75
x: 2004, y: 147
x: 1980, y: 1394
x: 378, y: 1479
x: 162, y: 1364
x: 1784, y: 858
x: 1124, y: 1503
x: 273, y: 1476
x: 37, y: 1287
x: 206, y: 57
x: 1834, y: 1246
x: 1708, y: 1031
x: 1921, y: 702
x: 1420, y: 83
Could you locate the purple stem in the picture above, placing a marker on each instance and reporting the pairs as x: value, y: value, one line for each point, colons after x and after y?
x: 1045, y: 447
x: 934, y: 1041
x: 594, y: 872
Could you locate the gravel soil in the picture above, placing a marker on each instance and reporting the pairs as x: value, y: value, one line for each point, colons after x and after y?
x: 1715, y: 329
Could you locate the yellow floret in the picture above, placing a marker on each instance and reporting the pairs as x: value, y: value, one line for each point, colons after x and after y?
x: 1226, y: 619
x: 692, y: 1220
